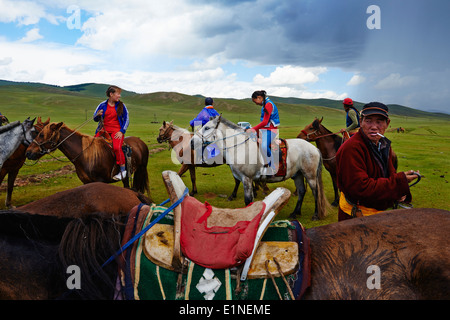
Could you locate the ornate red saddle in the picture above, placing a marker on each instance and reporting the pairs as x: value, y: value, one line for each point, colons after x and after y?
x: 217, y: 246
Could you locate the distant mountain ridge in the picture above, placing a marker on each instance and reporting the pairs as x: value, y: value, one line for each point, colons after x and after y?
x: 98, y: 90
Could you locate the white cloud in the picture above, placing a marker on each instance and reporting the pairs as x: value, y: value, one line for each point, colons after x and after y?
x: 290, y: 76
x: 24, y: 12
x: 32, y: 35
x: 356, y: 80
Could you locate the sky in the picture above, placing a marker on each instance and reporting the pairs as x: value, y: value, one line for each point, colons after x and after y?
x: 392, y: 51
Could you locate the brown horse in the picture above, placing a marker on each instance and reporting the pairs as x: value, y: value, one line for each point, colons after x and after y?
x: 179, y: 140
x: 328, y: 143
x: 87, y: 199
x: 93, y: 158
x: 13, y: 164
x: 399, y: 254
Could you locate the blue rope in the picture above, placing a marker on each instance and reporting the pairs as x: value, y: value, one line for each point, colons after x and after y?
x: 140, y: 234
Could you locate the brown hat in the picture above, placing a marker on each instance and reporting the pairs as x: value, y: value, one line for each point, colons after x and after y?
x: 375, y: 108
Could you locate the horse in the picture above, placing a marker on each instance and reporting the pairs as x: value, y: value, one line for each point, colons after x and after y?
x: 399, y: 254
x: 12, y: 136
x: 3, y: 120
x: 179, y: 140
x: 303, y: 160
x: 87, y: 199
x: 328, y: 144
x: 93, y: 158
x: 13, y: 164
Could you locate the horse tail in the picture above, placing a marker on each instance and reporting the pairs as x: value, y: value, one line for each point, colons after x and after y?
x: 88, y: 243
x: 140, y: 178
x: 322, y: 203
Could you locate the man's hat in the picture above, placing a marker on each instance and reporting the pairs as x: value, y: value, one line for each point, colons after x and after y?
x: 375, y: 108
x: 348, y: 102
x: 208, y: 101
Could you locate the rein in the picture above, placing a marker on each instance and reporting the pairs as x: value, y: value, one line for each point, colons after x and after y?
x: 207, y: 143
x: 57, y: 145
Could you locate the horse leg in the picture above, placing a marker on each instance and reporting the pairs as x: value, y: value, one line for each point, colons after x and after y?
x: 301, y: 190
x: 335, y: 203
x: 248, y: 190
x: 236, y: 187
x: 11, y: 179
x: 193, y: 180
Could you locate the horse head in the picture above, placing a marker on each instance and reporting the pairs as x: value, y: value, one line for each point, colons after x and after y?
x: 45, y: 142
x: 28, y: 129
x: 309, y: 130
x: 165, y: 132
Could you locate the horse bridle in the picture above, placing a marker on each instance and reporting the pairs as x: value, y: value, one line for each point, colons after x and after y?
x: 207, y: 143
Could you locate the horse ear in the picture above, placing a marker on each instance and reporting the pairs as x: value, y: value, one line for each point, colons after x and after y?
x: 58, y: 125
x: 164, y: 123
x: 170, y: 123
x: 320, y: 121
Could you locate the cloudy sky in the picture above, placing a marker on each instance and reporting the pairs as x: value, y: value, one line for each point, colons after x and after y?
x: 396, y: 52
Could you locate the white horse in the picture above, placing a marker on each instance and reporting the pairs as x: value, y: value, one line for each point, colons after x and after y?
x: 240, y: 151
x: 12, y: 135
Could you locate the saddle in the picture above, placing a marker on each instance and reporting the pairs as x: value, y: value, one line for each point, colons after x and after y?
x: 219, y: 238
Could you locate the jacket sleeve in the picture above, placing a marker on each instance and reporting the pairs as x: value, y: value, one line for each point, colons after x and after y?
x: 268, y: 108
x: 97, y: 119
x: 125, y: 120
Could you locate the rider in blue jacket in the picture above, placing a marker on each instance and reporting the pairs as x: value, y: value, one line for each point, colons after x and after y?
x: 203, y: 117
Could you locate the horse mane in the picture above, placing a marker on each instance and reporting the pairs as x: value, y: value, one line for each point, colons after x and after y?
x: 94, y: 149
x: 231, y: 124
x: 88, y: 243
x: 9, y: 126
x: 336, y: 138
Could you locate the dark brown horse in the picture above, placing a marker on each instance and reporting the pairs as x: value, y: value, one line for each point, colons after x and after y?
x: 400, y: 254
x: 87, y: 199
x: 328, y: 143
x: 12, y: 166
x: 179, y: 140
x: 93, y: 158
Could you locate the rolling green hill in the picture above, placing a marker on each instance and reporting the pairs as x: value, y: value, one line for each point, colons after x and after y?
x: 181, y: 102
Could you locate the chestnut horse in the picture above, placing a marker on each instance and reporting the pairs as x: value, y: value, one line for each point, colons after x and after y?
x: 179, y: 140
x: 13, y: 164
x: 93, y: 158
x: 328, y: 143
x: 87, y: 199
x: 398, y: 254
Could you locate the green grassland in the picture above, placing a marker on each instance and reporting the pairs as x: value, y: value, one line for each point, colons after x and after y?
x: 425, y: 145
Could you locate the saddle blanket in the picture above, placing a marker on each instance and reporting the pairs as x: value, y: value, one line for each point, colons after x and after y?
x: 282, y: 167
x: 141, y: 279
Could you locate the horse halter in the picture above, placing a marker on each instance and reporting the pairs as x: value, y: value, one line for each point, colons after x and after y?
x: 308, y: 134
x: 166, y: 136
x: 53, y: 145
x: 25, y: 141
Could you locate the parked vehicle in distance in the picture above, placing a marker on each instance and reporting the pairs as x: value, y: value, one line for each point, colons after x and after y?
x: 244, y: 124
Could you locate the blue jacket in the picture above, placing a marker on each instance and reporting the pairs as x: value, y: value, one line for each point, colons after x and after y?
x: 204, y: 116
x: 124, y: 121
x: 274, y: 117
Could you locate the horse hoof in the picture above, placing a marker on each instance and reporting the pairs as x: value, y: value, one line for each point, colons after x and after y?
x: 292, y: 216
x: 335, y: 203
x: 315, y: 218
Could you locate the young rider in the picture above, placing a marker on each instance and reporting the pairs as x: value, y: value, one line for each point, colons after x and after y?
x: 114, y: 114
x: 267, y: 130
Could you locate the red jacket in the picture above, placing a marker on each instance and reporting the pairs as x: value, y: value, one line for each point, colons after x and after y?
x: 360, y: 175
